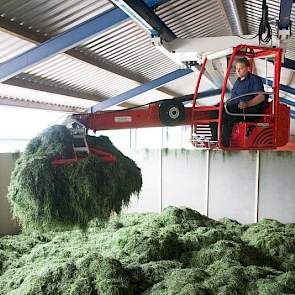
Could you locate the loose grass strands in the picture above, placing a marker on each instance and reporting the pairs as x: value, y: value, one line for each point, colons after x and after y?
x: 176, y: 252
x: 44, y: 197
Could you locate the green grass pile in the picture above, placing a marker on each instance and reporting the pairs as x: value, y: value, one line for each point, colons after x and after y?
x: 44, y: 197
x: 176, y: 252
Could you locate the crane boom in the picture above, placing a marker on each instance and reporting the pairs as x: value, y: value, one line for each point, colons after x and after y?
x: 159, y: 114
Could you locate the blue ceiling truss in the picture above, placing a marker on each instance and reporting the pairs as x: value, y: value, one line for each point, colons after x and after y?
x: 67, y: 40
x: 287, y: 89
x: 289, y: 64
x: 102, y: 22
x: 143, y: 13
x: 140, y: 89
x: 284, y: 23
x: 282, y: 86
x: 285, y: 14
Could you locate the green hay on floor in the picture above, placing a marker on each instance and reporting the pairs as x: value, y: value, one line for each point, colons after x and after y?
x: 145, y: 246
x: 176, y: 252
x: 273, y: 239
x: 144, y: 276
x: 183, y: 216
x: 187, y: 281
x: 70, y: 195
x: 227, y: 280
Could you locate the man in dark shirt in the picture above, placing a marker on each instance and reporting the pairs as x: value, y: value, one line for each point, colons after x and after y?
x: 245, y: 104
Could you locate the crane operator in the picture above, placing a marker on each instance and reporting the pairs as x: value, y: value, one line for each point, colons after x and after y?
x: 244, y: 104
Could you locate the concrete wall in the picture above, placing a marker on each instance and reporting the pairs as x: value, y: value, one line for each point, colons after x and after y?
x: 150, y: 196
x: 232, y: 185
x: 277, y: 186
x: 246, y: 186
x: 7, y: 225
x: 178, y: 189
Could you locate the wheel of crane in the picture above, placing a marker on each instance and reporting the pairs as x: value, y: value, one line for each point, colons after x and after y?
x: 172, y: 112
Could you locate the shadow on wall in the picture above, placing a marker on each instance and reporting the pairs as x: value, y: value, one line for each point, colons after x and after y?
x: 7, y: 224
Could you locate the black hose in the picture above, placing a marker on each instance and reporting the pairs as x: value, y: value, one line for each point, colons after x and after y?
x: 265, y: 32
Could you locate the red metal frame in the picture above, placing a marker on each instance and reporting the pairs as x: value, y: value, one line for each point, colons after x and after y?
x: 260, y: 53
x: 105, y: 156
x: 221, y: 105
x: 195, y: 97
x: 198, y: 84
x: 148, y: 116
x: 142, y: 117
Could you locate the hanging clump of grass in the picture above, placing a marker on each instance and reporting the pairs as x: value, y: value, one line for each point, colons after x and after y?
x: 46, y: 197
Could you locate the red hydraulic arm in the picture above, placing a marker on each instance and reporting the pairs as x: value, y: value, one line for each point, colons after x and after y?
x: 269, y: 130
x: 146, y: 116
x: 157, y: 114
x: 105, y: 156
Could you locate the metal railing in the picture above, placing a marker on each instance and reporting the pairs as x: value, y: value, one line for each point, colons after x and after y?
x: 244, y: 114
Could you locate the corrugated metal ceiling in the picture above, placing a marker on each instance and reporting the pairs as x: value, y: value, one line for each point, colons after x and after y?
x: 190, y: 18
x: 81, y: 76
x: 10, y: 46
x: 253, y: 16
x: 126, y: 47
x: 51, y: 17
x: 130, y: 46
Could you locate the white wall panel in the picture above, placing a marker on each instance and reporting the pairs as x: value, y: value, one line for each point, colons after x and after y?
x: 150, y: 195
x: 232, y: 182
x: 184, y: 179
x: 277, y: 186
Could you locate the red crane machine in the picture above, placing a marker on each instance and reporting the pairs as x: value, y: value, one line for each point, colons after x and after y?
x: 268, y: 130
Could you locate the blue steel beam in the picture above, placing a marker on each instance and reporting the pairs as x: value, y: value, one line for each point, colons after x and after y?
x: 208, y: 93
x: 285, y: 13
x: 284, y: 100
x: 140, y: 89
x: 287, y: 89
x: 60, y: 43
x: 145, y: 16
x: 289, y: 64
x: 187, y: 99
x: 153, y: 4
x: 63, y: 42
x: 157, y: 83
x: 204, y: 94
x: 287, y: 101
x: 282, y: 87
